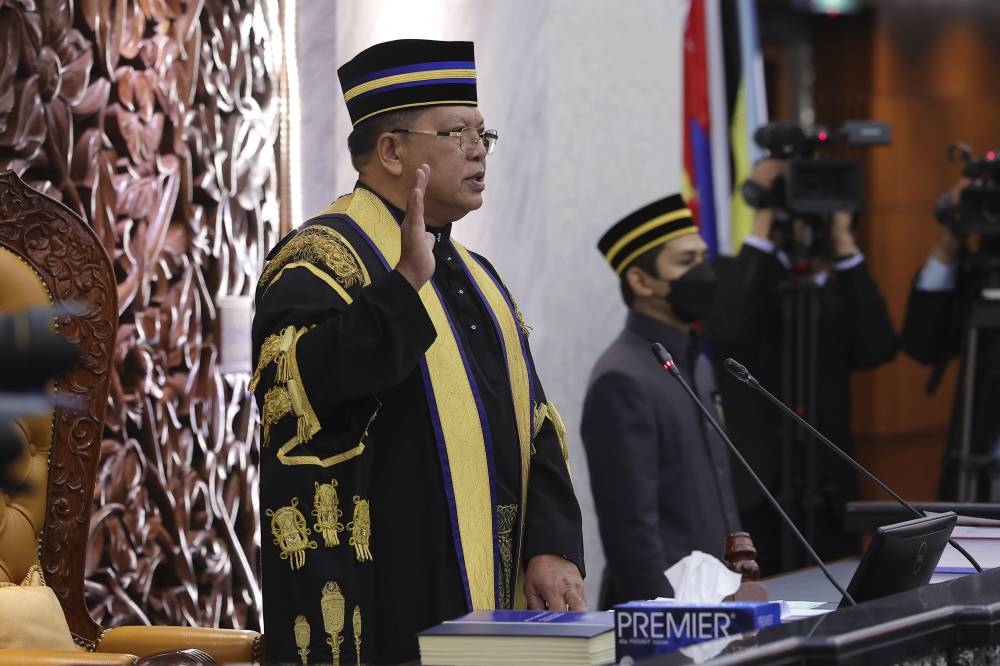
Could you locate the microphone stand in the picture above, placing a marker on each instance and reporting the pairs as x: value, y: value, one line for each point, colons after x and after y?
x: 739, y: 371
x: 667, y: 361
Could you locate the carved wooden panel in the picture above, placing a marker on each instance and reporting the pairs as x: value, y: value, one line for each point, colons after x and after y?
x: 157, y: 121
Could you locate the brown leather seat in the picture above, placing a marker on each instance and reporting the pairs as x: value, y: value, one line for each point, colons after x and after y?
x: 48, y: 255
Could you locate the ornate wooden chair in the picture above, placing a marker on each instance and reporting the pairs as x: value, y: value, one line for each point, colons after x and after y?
x: 48, y: 255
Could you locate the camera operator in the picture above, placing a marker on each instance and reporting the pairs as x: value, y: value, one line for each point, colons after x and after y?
x: 954, y: 311
x: 793, y: 274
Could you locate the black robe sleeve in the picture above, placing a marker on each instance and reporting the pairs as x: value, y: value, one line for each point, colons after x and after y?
x: 351, y: 350
x: 871, y: 339
x: 928, y: 330
x: 554, y: 525
x: 747, y: 286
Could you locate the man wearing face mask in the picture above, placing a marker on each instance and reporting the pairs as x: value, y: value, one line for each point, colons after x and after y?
x: 659, y: 475
x: 750, y: 321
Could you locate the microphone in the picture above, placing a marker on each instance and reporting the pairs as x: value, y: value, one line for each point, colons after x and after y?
x: 740, y: 372
x: 667, y: 361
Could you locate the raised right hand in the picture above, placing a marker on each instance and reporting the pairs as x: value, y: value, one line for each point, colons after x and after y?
x: 416, y: 258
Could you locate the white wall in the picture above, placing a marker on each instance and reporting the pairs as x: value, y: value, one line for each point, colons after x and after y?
x: 586, y: 95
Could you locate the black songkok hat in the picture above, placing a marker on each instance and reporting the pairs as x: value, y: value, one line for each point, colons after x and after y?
x: 649, y: 227
x: 408, y: 73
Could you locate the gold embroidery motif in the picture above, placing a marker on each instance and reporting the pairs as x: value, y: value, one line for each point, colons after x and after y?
x: 333, y: 605
x: 289, y: 396
x: 356, y: 621
x: 291, y: 535
x: 548, y: 411
x: 308, y: 423
x: 361, y: 530
x: 326, y: 508
x: 320, y: 245
x: 538, y: 419
x: 274, y: 349
x: 268, y: 353
x: 302, y: 636
x: 277, y: 403
x: 288, y: 337
x: 330, y: 461
x: 560, y: 427
x: 506, y: 520
x: 520, y: 317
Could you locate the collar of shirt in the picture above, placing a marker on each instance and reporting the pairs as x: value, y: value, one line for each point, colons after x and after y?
x: 684, y: 346
x: 441, y: 234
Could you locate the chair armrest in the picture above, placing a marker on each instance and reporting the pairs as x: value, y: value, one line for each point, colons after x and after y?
x: 223, y: 644
x: 20, y: 656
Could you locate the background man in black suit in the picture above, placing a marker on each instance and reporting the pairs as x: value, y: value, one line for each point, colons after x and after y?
x: 955, y: 291
x: 753, y: 320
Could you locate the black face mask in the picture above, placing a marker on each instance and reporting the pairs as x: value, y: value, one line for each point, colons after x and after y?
x: 691, y: 295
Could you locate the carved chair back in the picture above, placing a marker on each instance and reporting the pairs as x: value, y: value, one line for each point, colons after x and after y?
x: 48, y: 255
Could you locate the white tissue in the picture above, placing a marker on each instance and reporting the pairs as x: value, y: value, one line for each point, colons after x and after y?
x: 701, y: 578
x: 699, y: 653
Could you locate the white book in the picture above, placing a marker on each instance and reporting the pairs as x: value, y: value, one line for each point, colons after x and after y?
x: 983, y: 543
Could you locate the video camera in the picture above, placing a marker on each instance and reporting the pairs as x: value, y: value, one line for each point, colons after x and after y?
x: 813, y: 186
x: 979, y: 205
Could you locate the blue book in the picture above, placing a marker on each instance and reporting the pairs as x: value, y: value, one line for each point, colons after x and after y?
x: 944, y: 574
x: 520, y: 637
x: 646, y: 628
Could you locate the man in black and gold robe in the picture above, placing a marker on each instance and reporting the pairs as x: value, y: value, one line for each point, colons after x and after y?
x: 412, y: 469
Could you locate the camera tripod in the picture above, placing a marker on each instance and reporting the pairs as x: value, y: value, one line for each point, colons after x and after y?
x: 799, y: 494
x: 973, y: 466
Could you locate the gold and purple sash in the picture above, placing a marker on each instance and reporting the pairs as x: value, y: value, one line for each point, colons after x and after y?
x: 457, y: 412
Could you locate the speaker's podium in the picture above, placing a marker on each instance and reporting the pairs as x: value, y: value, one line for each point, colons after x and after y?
x: 957, y: 621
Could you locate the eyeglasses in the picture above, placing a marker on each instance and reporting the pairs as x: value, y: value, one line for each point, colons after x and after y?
x: 468, y: 138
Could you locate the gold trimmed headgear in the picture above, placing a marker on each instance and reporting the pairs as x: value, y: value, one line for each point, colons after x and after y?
x: 649, y: 227
x: 408, y: 73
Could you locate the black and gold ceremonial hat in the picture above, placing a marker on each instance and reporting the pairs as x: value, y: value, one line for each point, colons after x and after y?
x: 408, y: 73
x: 647, y: 228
